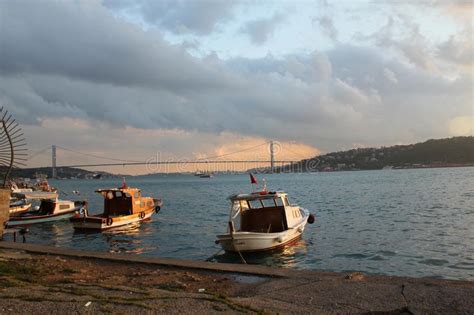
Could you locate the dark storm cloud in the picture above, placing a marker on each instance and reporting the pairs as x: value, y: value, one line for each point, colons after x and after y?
x: 76, y: 60
x: 84, y: 41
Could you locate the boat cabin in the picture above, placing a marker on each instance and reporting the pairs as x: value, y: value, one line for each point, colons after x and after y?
x: 268, y: 212
x: 54, y: 206
x: 124, y: 201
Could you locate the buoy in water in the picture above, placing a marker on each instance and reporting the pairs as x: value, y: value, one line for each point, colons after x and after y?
x: 311, y: 219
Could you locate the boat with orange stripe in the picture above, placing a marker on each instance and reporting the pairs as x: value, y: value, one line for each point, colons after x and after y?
x: 122, y: 206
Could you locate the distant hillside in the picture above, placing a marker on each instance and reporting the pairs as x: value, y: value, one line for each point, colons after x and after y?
x: 457, y: 151
x: 62, y: 172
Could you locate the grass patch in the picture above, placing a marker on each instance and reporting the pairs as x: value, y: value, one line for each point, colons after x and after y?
x: 8, y: 283
x: 233, y: 305
x: 65, y: 281
x: 171, y: 286
x: 20, y: 272
x: 10, y: 269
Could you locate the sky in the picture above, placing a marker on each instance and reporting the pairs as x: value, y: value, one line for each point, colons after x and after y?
x: 177, y: 80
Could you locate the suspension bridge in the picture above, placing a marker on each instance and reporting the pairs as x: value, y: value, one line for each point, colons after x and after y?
x: 271, y: 163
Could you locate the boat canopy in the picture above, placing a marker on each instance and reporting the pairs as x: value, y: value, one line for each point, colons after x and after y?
x: 36, y: 195
x: 257, y: 195
x: 124, y: 201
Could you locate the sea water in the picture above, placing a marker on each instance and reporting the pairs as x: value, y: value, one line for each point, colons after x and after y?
x: 398, y: 222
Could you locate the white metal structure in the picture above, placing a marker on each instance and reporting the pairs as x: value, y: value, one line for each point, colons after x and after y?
x: 263, y: 221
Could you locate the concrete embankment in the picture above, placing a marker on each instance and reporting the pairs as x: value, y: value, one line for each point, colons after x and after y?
x: 39, y: 279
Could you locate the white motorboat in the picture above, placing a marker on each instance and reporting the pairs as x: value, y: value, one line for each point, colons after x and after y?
x: 262, y: 221
x: 49, y: 210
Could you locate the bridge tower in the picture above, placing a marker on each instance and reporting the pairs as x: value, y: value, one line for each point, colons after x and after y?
x: 53, y: 162
x: 272, y: 156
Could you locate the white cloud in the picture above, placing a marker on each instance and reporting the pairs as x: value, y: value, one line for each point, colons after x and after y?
x: 390, y: 76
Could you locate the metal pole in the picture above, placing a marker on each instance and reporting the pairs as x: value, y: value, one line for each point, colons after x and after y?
x: 53, y: 161
x: 272, y: 157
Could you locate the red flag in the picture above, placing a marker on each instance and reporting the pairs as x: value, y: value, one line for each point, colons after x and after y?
x: 253, y: 180
x: 124, y: 184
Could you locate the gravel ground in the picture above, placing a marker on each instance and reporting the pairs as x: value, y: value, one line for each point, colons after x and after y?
x: 51, y: 284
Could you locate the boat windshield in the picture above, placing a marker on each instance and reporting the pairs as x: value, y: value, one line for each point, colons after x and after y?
x: 265, y: 215
x: 265, y: 203
x: 117, y: 203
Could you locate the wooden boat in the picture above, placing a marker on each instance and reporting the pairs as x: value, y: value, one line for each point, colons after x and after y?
x: 49, y: 210
x: 122, y: 206
x: 266, y: 221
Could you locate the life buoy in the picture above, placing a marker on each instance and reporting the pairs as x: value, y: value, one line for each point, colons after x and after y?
x: 109, y: 221
x: 157, y: 209
x: 142, y: 215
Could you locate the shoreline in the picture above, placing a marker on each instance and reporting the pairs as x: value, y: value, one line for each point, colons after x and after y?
x: 135, y: 284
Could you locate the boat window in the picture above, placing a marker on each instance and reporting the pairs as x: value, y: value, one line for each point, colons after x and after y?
x: 149, y: 204
x: 142, y: 204
x: 118, y: 194
x: 268, y: 203
x: 137, y: 194
x: 279, y: 202
x: 287, y: 203
x: 244, y: 205
x: 255, y: 204
x: 110, y: 195
x: 63, y: 207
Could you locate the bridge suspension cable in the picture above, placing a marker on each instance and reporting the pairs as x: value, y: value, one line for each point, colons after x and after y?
x: 209, y: 159
x: 41, y: 151
x: 232, y: 153
x: 97, y: 156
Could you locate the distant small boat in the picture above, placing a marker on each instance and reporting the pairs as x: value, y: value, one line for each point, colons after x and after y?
x: 122, y: 206
x: 49, y: 210
x: 267, y: 221
x: 206, y: 175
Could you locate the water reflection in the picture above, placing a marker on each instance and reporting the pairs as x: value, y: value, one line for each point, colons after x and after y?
x: 286, y: 257
x: 128, y: 239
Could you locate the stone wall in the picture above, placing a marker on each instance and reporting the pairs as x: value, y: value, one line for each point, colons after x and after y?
x: 4, y: 208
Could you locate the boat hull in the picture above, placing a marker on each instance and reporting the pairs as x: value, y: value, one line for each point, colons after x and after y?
x: 23, y: 220
x: 100, y: 223
x: 257, y: 242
